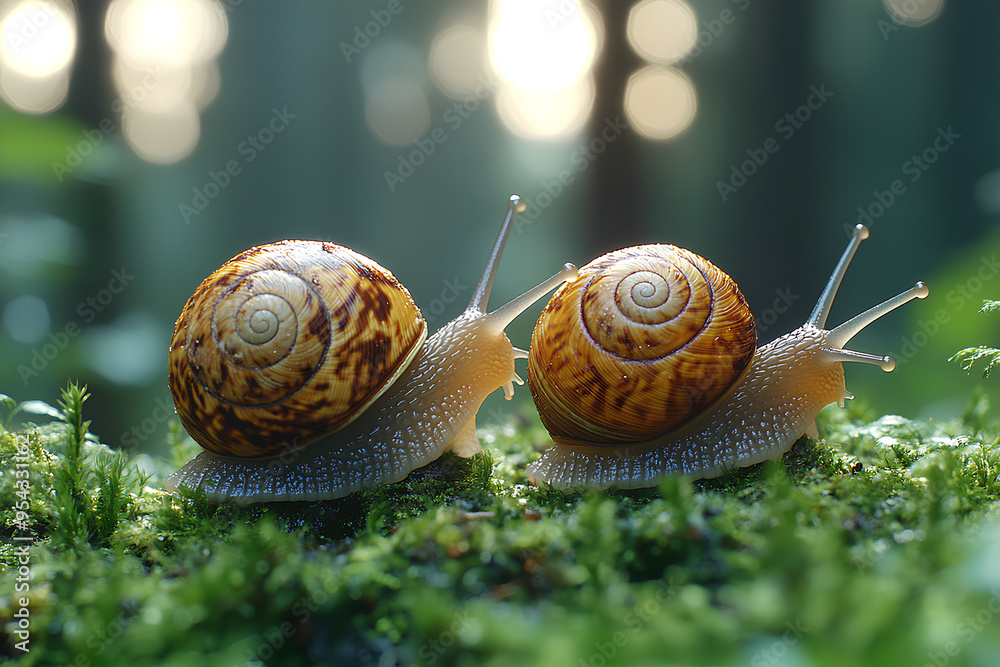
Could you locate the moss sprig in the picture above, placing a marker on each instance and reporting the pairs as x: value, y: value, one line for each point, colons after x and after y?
x: 968, y: 357
x: 81, y: 489
x: 72, y: 501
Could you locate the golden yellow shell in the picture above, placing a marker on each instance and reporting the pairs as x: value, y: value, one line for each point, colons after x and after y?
x: 287, y: 342
x: 642, y: 341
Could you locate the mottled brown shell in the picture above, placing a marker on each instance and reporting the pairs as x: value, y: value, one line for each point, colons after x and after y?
x: 642, y: 341
x: 287, y: 342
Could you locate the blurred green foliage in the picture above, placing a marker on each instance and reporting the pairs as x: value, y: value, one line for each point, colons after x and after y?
x: 29, y: 146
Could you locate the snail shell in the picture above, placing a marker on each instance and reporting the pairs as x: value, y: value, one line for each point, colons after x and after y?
x: 621, y: 353
x: 288, y: 341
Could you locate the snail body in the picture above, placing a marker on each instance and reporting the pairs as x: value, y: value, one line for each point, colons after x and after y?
x: 367, y: 400
x: 646, y: 364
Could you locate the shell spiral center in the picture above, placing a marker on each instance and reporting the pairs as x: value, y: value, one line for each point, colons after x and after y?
x: 658, y: 306
x: 261, y: 322
x: 262, y: 325
x: 645, y: 289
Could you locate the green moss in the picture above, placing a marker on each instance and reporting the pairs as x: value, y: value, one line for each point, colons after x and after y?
x: 876, y: 544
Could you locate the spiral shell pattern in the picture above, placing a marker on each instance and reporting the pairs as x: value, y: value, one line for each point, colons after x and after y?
x: 645, y: 339
x: 287, y: 342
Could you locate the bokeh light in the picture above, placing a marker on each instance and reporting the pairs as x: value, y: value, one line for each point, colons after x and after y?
x: 32, y: 244
x: 542, y: 45
x: 125, y: 352
x: 457, y: 60
x: 397, y: 111
x: 27, y: 319
x: 170, y: 33
x: 165, y: 70
x: 32, y: 94
x: 550, y: 115
x: 38, y: 38
x: 543, y: 53
x: 662, y: 31
x: 162, y: 137
x: 660, y: 102
x: 913, y: 13
x: 37, y: 46
x: 153, y: 90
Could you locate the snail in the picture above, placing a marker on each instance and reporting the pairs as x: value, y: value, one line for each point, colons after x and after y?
x: 304, y: 371
x: 647, y: 364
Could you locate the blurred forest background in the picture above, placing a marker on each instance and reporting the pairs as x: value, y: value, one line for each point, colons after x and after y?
x: 145, y: 142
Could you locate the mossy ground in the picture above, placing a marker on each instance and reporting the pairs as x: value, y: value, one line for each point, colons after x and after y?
x: 878, y: 544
